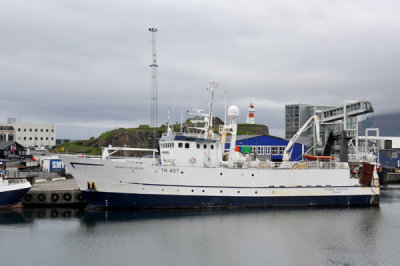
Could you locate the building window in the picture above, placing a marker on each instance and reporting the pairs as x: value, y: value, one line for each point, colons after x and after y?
x: 41, y: 138
x: 24, y: 138
x: 35, y: 138
x: 52, y: 130
x: 30, y: 138
x: 47, y: 130
x: 47, y: 138
x: 30, y: 130
x: 274, y: 150
x: 260, y: 150
x: 52, y: 138
x: 253, y: 149
x: 19, y: 130
x: 24, y: 129
x: 281, y: 149
x: 267, y: 150
x: 187, y: 145
x: 41, y: 130
x: 35, y: 129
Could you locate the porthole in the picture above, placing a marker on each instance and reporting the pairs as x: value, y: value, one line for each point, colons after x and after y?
x: 182, y: 172
x: 255, y: 192
x: 192, y: 190
x: 252, y: 174
x: 220, y: 173
x: 220, y: 191
x: 238, y: 191
x: 203, y: 190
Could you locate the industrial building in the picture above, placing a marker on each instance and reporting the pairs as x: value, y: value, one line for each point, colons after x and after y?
x: 28, y: 134
x: 338, y: 125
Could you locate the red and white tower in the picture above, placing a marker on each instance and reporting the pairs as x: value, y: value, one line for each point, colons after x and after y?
x: 250, y: 117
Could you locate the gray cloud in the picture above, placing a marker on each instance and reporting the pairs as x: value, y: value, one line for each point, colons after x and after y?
x: 84, y: 64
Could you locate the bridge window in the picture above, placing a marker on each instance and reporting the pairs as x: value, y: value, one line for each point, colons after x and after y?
x: 198, y: 146
x: 205, y: 146
x: 187, y: 145
x: 180, y: 145
x: 212, y: 146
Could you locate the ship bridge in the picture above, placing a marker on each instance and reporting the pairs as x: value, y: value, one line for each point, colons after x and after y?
x: 352, y: 109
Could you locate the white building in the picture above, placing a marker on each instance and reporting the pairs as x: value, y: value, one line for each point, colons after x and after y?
x: 29, y: 134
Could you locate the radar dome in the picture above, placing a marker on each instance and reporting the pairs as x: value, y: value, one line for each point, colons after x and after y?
x: 233, y: 111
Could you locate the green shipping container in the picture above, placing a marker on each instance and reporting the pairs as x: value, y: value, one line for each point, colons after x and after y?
x: 246, y: 149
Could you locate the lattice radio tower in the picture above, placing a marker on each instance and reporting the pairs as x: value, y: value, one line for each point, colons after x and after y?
x: 154, y: 66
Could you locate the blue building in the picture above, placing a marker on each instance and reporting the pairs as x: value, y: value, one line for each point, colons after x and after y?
x: 266, y: 147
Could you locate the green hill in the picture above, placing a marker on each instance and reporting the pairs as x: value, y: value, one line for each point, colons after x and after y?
x: 140, y: 137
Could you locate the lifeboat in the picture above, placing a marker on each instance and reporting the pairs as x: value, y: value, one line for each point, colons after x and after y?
x: 315, y: 158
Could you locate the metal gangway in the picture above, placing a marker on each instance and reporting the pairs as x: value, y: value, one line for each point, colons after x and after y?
x: 354, y: 108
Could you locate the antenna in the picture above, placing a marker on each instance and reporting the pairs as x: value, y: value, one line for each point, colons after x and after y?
x: 154, y: 66
x: 225, y: 92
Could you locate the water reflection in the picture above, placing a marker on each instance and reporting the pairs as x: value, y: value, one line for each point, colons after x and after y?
x: 288, y: 236
x: 10, y: 217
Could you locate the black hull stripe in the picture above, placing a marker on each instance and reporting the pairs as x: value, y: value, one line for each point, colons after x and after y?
x: 194, y: 186
x: 86, y: 164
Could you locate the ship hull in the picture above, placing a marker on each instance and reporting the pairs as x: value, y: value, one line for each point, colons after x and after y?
x: 115, y: 184
x: 10, y: 198
x: 142, y: 201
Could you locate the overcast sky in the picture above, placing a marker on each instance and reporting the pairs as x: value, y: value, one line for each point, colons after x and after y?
x: 84, y: 65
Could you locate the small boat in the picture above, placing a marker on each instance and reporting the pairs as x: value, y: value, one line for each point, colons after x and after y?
x: 12, y: 190
x: 318, y: 158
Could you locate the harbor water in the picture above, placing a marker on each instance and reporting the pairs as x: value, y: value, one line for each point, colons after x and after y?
x: 276, y: 236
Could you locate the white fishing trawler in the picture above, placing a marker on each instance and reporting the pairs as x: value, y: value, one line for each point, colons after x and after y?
x: 194, y: 170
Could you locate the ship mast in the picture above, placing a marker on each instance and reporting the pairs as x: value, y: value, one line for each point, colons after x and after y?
x: 213, y: 85
x: 154, y: 66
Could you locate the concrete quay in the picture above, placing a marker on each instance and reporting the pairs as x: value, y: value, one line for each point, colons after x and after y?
x: 59, y: 192
x: 393, y: 178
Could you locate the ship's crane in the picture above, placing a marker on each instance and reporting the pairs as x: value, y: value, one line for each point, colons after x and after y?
x: 286, y: 153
